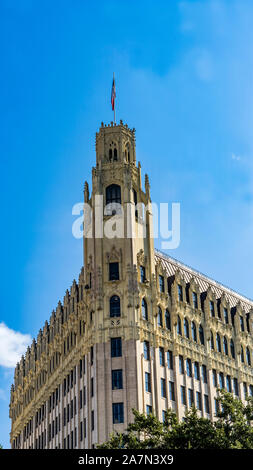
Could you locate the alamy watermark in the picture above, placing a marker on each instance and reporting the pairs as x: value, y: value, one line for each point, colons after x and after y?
x: 115, y: 221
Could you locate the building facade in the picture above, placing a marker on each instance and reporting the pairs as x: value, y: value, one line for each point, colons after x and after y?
x: 138, y: 330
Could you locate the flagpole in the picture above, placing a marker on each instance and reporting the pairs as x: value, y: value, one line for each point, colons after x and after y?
x: 114, y: 100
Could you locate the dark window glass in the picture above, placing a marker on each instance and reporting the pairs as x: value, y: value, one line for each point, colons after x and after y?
x: 170, y: 359
x: 161, y: 283
x: 118, y: 413
x: 143, y: 273
x: 114, y: 306
x: 186, y: 328
x: 183, y: 395
x: 160, y: 317
x: 181, y: 364
x: 189, y: 367
x: 195, y: 300
x: 163, y: 388
x: 190, y: 397
x: 147, y: 382
x: 201, y: 335
x: 225, y: 312
x: 116, y: 347
x: 117, y: 379
x: 204, y: 374
x: 146, y: 350
x: 172, y: 391
x: 206, y: 402
x: 161, y: 355
x: 180, y: 292
x: 144, y: 309
x: 113, y: 271
x: 113, y: 194
x: 167, y: 320
x: 212, y: 312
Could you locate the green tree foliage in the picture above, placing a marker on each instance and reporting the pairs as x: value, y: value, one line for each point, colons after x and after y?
x: 231, y: 430
x: 1, y: 446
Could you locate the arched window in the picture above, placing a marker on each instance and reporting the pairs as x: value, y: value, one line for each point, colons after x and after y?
x: 232, y: 348
x: 115, y: 155
x: 211, y: 341
x: 225, y: 346
x: 248, y: 357
x: 194, y: 332
x: 114, y: 306
x: 144, y: 309
x: 179, y: 327
x: 218, y: 343
x: 167, y: 320
x: 201, y: 335
x: 160, y: 317
x: 113, y: 197
x: 186, y: 328
x: 242, y: 354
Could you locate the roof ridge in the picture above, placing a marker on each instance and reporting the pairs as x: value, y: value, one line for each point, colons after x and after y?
x: 204, y: 276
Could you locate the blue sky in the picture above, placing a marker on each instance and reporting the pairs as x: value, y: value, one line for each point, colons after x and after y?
x: 183, y: 80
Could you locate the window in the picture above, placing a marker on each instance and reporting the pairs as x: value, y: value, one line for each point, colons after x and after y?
x: 242, y: 354
x: 135, y: 203
x: 204, y: 374
x: 113, y: 271
x: 216, y: 406
x: 114, y: 306
x: 196, y: 370
x: 211, y: 340
x: 143, y: 273
x: 190, y: 397
x: 251, y: 390
x: 164, y: 416
x: 235, y: 386
x: 181, y: 365
x: 201, y: 335
x: 183, y: 395
x: 248, y: 359
x: 172, y: 391
x: 149, y: 410
x: 161, y: 355
x: 179, y: 328
x: 194, y: 332
x: 242, y: 323
x: 180, y: 292
x: 161, y: 283
x: 113, y: 197
x: 146, y: 350
x: 206, y: 404
x: 167, y: 320
x: 245, y: 391
x: 118, y: 413
x: 147, y: 382
x: 198, y: 401
x: 186, y: 328
x: 170, y: 359
x: 232, y: 349
x: 163, y: 388
x: 117, y: 379
x: 228, y: 383
x: 221, y: 380
x: 195, y: 300
x: 225, y: 346
x: 212, y: 312
x: 144, y: 309
x: 218, y: 343
x: 225, y: 313
x: 189, y: 367
x: 160, y: 317
x: 116, y: 347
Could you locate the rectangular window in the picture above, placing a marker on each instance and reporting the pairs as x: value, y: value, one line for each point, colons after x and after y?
x: 84, y: 396
x: 228, y: 383
x: 221, y: 380
x: 91, y: 355
x: 198, y: 401
x: 216, y: 406
x: 118, y: 413
x: 113, y: 271
x: 225, y: 312
x: 143, y: 273
x: 163, y: 388
x: 92, y: 420
x: 190, y: 397
x: 92, y: 387
x: 183, y: 395
x: 195, y: 300
x: 146, y: 350
x: 80, y: 400
x: 180, y: 292
x: 147, y: 382
x: 161, y: 356
x: 170, y: 359
x: 245, y: 391
x: 161, y: 283
x: 181, y: 365
x: 206, y: 404
x: 196, y: 370
x: 172, y: 391
x: 117, y: 379
x: 212, y: 312
x: 116, y: 348
x: 236, y: 390
x: 214, y: 378
x: 189, y: 367
x: 251, y: 390
x: 149, y: 410
x: 204, y: 374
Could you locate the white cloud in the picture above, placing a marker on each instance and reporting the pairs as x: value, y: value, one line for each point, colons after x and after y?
x: 236, y: 157
x: 12, y: 345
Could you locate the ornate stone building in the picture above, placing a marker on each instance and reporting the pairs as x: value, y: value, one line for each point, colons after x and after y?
x: 139, y: 329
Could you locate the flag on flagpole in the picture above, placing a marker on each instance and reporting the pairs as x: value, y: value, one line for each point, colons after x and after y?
x: 113, y: 94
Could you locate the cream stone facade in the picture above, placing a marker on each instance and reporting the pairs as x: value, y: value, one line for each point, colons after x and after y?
x: 139, y: 329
